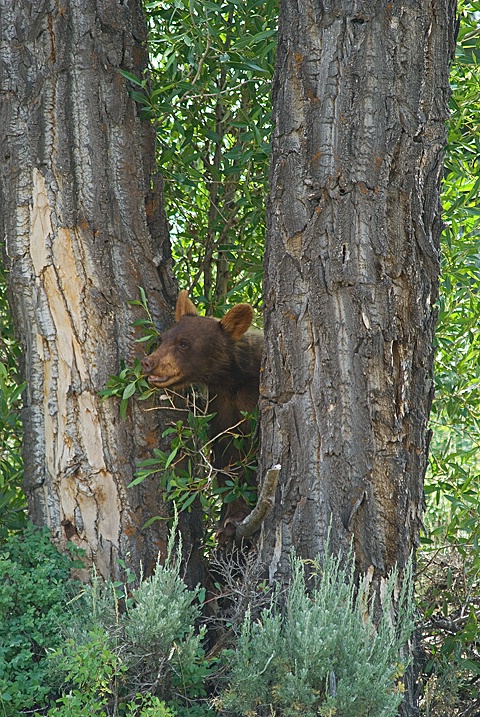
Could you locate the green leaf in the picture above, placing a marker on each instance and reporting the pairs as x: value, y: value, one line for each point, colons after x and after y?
x: 123, y: 408
x: 188, y: 500
x: 171, y: 457
x: 132, y: 78
x: 128, y: 391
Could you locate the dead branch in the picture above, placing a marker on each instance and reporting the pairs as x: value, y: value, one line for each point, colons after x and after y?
x: 265, y: 503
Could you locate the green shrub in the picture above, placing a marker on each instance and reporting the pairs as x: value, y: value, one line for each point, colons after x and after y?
x: 186, y: 472
x: 210, y: 80
x: 148, y: 706
x: 161, y: 648
x: 12, y: 499
x: 94, y: 673
x: 449, y: 560
x: 324, y: 655
x: 129, y: 651
x: 35, y: 587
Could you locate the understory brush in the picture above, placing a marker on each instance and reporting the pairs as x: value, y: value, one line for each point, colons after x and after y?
x: 111, y: 650
x: 448, y: 590
x: 135, y: 653
x: 322, y: 654
x: 35, y: 589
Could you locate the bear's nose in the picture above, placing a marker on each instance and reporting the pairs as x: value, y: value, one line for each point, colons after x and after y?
x: 146, y: 365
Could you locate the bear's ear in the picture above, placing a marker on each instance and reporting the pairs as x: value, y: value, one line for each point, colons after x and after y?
x: 184, y: 306
x: 237, y: 320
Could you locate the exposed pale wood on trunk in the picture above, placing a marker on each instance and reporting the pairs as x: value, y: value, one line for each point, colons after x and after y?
x: 84, y: 227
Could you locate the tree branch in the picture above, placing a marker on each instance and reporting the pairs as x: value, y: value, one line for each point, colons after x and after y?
x: 265, y: 502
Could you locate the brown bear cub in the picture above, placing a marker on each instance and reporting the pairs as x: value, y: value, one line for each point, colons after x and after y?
x: 223, y: 356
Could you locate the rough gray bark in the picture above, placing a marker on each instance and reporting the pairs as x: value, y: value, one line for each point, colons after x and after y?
x: 84, y: 227
x: 351, y: 275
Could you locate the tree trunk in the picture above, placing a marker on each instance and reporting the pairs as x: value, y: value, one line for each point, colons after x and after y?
x: 351, y: 275
x: 84, y: 227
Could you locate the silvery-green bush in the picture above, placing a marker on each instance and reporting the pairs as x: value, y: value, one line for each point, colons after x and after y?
x: 322, y: 654
x: 150, y: 641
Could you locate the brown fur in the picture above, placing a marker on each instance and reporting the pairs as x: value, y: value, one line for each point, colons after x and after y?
x: 225, y: 357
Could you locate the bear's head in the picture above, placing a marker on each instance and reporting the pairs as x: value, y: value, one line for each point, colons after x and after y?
x: 197, y: 349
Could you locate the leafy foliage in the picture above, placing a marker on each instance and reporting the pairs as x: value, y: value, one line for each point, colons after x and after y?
x: 129, y: 651
x: 186, y: 471
x: 92, y: 670
x: 34, y: 592
x: 212, y: 65
x: 12, y: 500
x: 455, y: 467
x: 96, y: 650
x: 323, y: 656
x: 124, y: 385
x: 450, y: 560
x: 130, y: 380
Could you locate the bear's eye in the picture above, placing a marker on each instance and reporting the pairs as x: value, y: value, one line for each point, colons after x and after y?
x: 183, y: 344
